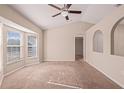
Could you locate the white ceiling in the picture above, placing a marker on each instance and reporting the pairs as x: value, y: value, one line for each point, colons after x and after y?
x: 40, y: 14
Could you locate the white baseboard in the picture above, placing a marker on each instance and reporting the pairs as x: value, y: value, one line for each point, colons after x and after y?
x: 32, y: 64
x: 58, y: 61
x: 107, y: 75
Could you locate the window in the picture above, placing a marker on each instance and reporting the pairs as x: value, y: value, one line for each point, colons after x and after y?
x: 117, y: 37
x: 13, y: 45
x: 32, y: 46
x: 98, y: 42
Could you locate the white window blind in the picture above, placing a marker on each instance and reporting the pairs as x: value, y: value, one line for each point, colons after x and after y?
x: 32, y: 46
x: 13, y: 45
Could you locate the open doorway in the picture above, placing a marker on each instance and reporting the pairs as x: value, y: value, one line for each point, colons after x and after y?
x: 78, y: 48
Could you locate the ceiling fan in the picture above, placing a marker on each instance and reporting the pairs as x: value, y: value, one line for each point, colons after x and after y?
x: 64, y: 11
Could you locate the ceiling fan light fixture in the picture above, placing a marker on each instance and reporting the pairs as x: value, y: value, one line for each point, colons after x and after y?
x: 64, y: 13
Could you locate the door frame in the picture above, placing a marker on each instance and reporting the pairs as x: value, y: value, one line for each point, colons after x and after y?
x: 84, y: 46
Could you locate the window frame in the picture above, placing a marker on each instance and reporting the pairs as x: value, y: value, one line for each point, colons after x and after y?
x: 112, y: 41
x: 93, y: 44
x: 35, y: 35
x: 11, y: 29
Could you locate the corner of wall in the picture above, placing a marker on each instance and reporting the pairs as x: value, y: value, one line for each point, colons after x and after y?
x: 1, y: 79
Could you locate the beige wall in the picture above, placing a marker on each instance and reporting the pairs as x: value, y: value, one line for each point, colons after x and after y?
x: 110, y: 65
x: 8, y: 13
x: 12, y: 15
x: 59, y: 43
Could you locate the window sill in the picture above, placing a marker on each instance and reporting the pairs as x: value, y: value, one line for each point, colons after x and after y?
x: 32, y: 58
x: 15, y: 61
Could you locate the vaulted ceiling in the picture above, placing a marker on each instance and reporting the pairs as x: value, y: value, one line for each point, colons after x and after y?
x: 41, y: 14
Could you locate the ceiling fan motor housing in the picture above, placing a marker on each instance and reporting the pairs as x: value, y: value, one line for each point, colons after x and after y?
x: 64, y: 12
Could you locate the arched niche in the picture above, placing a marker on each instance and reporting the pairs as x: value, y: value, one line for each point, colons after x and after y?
x: 98, y: 41
x: 117, y: 38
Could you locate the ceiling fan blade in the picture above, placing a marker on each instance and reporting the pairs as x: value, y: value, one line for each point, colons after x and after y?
x: 68, y: 6
x: 73, y: 11
x: 67, y: 18
x: 56, y: 15
x: 54, y: 6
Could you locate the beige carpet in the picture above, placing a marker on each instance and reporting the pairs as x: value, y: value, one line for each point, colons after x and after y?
x: 58, y: 75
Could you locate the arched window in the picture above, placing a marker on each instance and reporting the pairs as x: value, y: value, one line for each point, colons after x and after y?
x: 117, y: 38
x: 98, y: 41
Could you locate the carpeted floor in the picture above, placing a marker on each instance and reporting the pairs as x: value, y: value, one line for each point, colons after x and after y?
x: 58, y: 75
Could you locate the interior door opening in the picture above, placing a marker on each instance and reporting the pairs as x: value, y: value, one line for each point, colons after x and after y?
x: 79, y: 48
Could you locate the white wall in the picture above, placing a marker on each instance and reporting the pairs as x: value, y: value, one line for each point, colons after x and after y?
x: 59, y: 43
x: 110, y: 65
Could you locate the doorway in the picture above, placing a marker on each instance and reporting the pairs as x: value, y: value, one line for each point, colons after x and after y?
x: 79, y: 48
